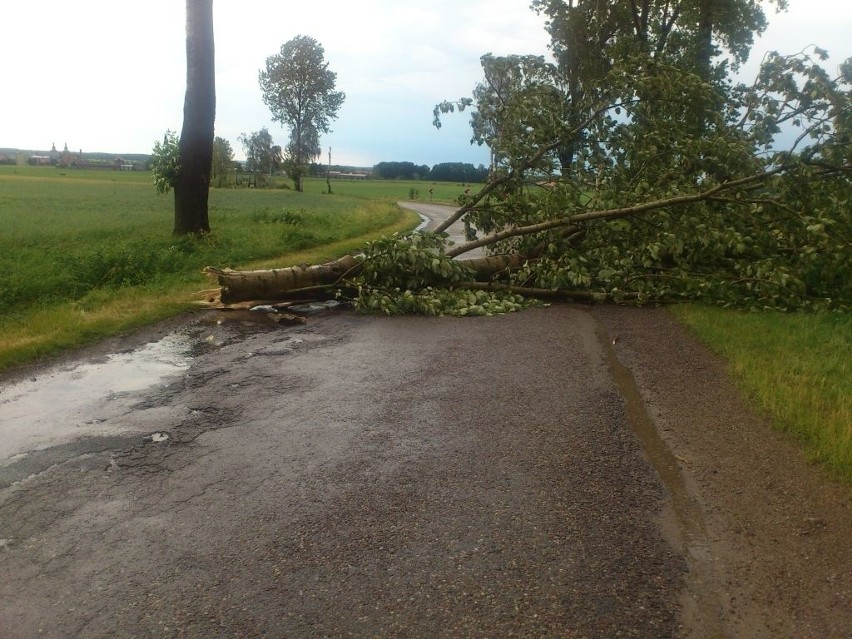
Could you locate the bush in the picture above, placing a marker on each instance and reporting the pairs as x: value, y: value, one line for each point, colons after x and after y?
x: 165, y: 162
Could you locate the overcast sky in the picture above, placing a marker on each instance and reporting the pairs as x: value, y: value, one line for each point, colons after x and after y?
x: 109, y: 75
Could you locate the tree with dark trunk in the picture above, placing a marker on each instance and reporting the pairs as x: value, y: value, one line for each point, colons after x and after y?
x: 192, y: 182
x: 590, y: 37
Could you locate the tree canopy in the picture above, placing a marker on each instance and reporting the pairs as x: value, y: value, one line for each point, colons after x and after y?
x: 401, y: 171
x: 458, y: 172
x: 299, y: 89
x: 223, y: 161
x: 441, y: 172
x: 633, y: 169
x: 629, y: 170
x: 262, y: 154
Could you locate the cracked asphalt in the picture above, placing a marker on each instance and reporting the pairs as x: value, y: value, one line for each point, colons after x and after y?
x: 356, y: 476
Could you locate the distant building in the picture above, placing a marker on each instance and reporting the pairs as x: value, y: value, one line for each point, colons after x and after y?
x: 345, y: 175
x: 67, y: 159
x: 39, y: 160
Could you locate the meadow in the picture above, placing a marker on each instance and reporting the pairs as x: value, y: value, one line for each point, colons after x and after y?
x: 393, y: 190
x: 85, y: 254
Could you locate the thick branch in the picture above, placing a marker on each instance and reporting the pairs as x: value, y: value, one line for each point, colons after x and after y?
x: 488, y: 188
x: 484, y: 268
x: 544, y: 293
x: 323, y: 280
x: 276, y: 284
x: 610, y: 214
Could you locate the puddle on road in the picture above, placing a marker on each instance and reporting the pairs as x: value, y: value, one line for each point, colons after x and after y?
x: 702, y: 611
x: 66, y: 403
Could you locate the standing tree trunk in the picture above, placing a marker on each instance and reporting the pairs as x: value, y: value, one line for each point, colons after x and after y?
x: 297, y: 176
x: 328, y: 172
x: 704, y: 40
x: 704, y: 51
x: 199, y: 113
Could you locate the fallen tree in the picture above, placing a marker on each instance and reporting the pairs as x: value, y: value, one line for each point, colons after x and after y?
x: 658, y: 206
x: 281, y: 283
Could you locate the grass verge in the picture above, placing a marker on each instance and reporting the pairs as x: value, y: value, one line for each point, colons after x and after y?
x: 795, y: 367
x: 49, y: 329
x: 85, y: 255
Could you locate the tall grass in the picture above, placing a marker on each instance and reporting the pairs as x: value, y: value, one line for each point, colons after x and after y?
x: 86, y: 253
x: 796, y: 367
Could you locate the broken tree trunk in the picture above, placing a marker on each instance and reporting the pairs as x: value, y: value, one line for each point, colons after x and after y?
x: 281, y: 283
x: 321, y: 280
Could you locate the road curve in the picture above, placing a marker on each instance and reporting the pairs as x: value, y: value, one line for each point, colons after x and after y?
x: 437, y: 213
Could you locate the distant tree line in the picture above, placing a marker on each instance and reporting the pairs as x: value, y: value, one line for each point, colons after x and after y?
x: 266, y: 159
x: 444, y: 172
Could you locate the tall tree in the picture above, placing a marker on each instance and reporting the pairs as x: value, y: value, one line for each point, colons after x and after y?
x: 263, y: 156
x: 651, y: 113
x: 588, y: 37
x: 299, y: 90
x: 223, y: 160
x: 199, y: 113
x: 510, y: 82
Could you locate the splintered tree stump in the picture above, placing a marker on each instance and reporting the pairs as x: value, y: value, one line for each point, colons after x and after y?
x: 281, y: 283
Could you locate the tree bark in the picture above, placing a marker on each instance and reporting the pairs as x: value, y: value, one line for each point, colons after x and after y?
x: 281, y: 283
x: 199, y: 114
x: 704, y: 40
x: 312, y: 281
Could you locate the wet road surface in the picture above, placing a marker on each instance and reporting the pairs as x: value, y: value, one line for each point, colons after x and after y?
x: 433, y: 214
x: 358, y: 475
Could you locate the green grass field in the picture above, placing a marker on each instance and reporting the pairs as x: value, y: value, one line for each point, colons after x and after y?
x: 393, y: 190
x: 86, y: 253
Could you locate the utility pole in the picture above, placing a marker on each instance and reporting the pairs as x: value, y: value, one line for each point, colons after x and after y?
x: 328, y: 172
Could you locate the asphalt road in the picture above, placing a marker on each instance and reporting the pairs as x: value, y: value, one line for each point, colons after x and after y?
x: 433, y: 215
x: 358, y: 475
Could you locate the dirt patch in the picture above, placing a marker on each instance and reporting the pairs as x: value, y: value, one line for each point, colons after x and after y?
x: 778, y: 527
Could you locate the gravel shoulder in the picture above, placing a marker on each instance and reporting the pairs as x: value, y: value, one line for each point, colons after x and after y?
x: 777, y: 527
